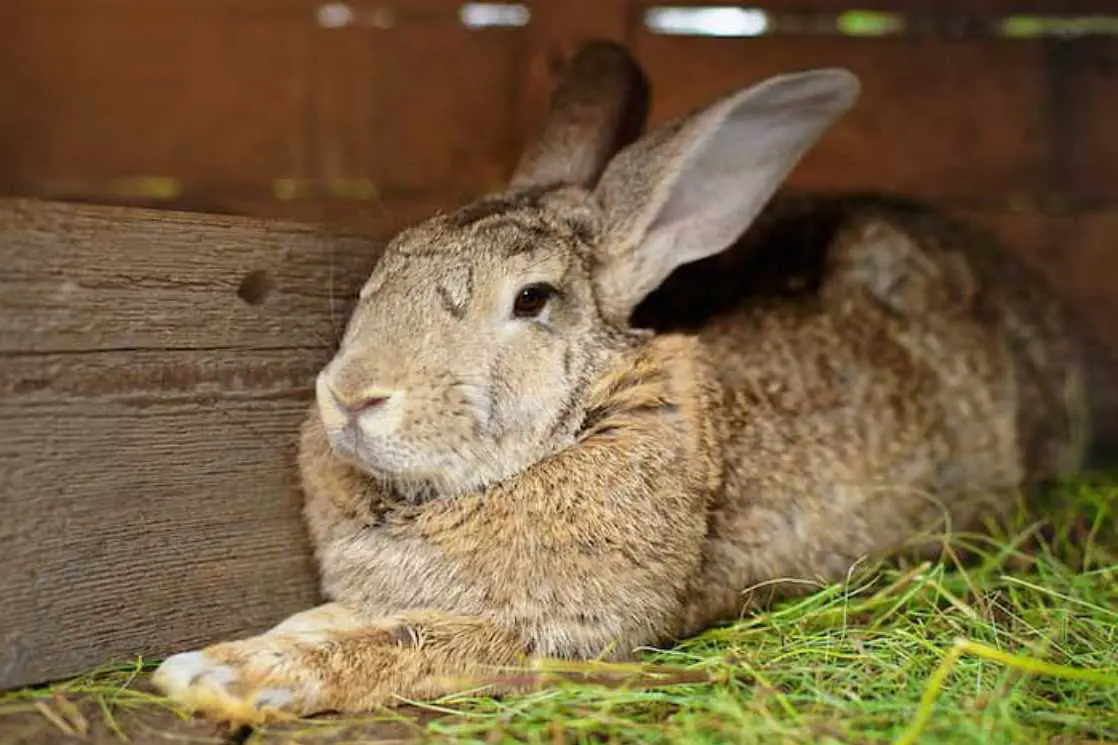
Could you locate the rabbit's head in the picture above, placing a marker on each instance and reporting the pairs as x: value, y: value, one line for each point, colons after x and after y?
x: 470, y: 351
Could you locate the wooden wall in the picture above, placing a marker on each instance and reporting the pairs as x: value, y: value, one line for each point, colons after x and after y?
x: 154, y: 369
x: 374, y: 113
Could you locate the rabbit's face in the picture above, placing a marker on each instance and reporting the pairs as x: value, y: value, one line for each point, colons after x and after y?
x: 478, y: 334
x: 469, y: 352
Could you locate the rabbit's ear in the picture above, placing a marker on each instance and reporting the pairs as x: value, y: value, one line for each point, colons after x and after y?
x: 691, y: 188
x: 598, y: 107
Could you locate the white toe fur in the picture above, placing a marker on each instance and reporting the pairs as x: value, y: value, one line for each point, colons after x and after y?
x: 273, y: 698
x: 181, y: 671
x: 199, y: 682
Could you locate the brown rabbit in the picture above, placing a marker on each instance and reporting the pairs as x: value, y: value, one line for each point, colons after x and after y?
x: 505, y: 462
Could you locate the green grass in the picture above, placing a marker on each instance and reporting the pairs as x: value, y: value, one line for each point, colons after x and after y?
x: 1020, y: 644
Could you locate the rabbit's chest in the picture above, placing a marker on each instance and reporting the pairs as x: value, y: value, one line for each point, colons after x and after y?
x: 387, y: 573
x: 470, y: 569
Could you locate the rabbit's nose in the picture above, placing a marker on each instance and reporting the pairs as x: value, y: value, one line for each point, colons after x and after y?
x: 368, y: 400
x: 340, y: 408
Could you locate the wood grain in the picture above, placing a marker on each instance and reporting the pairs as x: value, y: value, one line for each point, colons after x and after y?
x: 170, y: 282
x: 146, y: 460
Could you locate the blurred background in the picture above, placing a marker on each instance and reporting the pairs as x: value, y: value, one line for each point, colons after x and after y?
x: 373, y: 114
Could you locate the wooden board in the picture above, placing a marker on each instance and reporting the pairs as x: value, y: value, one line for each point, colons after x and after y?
x: 229, y: 100
x: 927, y: 125
x: 381, y: 217
x: 556, y: 31
x: 941, y: 7
x: 1085, y: 82
x: 218, y: 94
x: 439, y: 111
x: 150, y: 398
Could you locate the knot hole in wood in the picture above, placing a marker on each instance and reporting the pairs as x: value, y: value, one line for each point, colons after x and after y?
x: 255, y: 287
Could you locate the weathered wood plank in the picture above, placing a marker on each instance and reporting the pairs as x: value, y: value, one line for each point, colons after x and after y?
x: 147, y: 484
x: 382, y: 217
x: 87, y: 279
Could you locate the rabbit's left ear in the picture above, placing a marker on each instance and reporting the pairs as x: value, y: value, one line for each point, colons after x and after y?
x: 691, y: 188
x: 598, y: 107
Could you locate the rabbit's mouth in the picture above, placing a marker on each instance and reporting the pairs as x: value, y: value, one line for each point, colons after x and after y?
x: 419, y: 472
x: 380, y: 457
x: 416, y: 474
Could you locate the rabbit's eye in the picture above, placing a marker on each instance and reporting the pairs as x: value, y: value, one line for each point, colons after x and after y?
x: 531, y: 300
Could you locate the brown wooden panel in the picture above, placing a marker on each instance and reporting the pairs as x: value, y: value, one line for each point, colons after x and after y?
x: 557, y: 29
x: 937, y: 119
x: 149, y: 501
x: 230, y: 8
x: 150, y: 410
x: 943, y: 7
x: 382, y: 218
x: 388, y: 216
x: 1085, y: 116
x: 60, y: 281
x: 422, y: 107
x: 196, y: 91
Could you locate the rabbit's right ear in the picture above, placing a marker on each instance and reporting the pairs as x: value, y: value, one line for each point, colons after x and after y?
x: 598, y: 107
x: 691, y: 188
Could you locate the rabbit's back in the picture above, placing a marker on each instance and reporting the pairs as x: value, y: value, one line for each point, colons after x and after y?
x: 885, y: 267
x: 883, y: 368
x: 845, y: 435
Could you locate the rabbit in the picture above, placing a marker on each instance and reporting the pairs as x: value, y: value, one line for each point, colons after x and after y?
x: 591, y: 412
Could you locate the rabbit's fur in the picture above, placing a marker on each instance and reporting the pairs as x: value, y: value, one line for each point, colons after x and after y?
x: 854, y: 371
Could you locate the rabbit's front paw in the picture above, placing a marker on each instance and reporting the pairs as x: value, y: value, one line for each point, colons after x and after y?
x: 248, y: 682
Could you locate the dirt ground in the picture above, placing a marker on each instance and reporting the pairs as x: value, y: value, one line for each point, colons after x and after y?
x: 160, y: 727
x: 61, y: 720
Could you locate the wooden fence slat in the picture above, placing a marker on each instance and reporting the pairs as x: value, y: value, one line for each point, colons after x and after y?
x: 186, y: 92
x: 382, y: 218
x: 171, y: 283
x: 939, y: 7
x: 557, y: 29
x: 442, y: 113
x: 132, y: 7
x: 147, y: 478
x: 1085, y: 82
x: 928, y: 124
